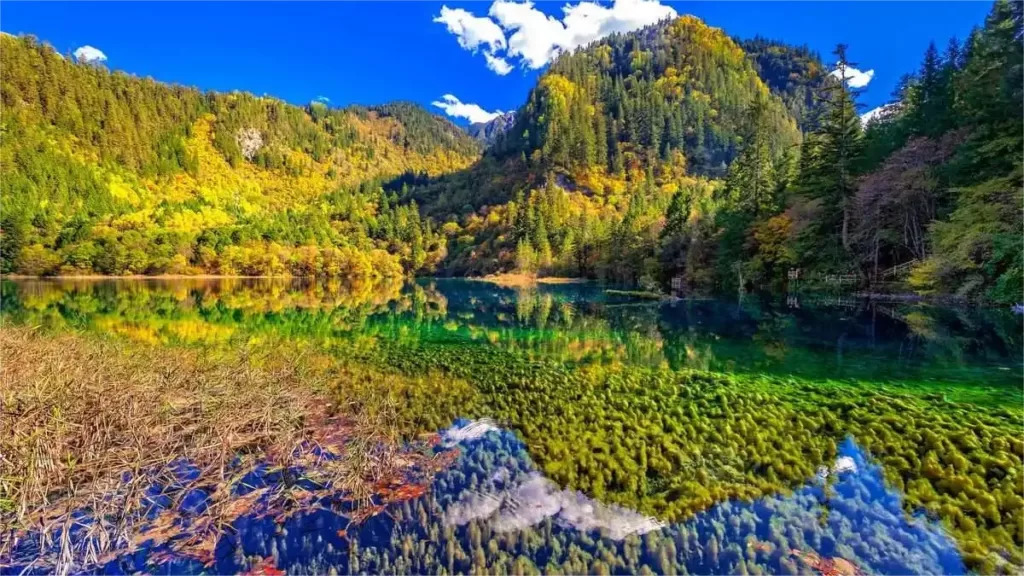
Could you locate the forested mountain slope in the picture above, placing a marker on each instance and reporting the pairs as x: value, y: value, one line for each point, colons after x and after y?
x: 108, y: 173
x: 794, y: 73
x: 661, y: 157
x: 669, y: 156
x: 634, y: 99
x: 942, y: 180
x: 606, y: 138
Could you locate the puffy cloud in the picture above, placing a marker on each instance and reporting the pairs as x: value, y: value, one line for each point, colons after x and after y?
x: 472, y: 31
x: 535, y: 39
x: 855, y: 78
x: 323, y: 99
x: 89, y: 55
x: 472, y: 112
x: 499, y: 65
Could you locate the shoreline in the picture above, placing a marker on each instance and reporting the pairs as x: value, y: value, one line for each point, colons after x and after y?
x: 510, y: 280
x: 139, y: 277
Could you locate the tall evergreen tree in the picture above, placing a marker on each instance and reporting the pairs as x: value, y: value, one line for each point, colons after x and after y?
x: 673, y: 238
x: 751, y: 183
x: 828, y: 167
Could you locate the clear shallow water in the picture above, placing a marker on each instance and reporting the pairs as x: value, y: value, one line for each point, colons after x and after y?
x: 494, y: 510
x: 498, y: 508
x: 819, y: 337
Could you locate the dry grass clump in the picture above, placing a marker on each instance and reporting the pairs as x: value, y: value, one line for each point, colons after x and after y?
x: 90, y: 424
x: 517, y: 280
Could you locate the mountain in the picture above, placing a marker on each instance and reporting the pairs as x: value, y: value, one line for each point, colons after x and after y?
x: 634, y: 99
x: 794, y: 73
x: 103, y: 172
x: 673, y: 157
x: 665, y: 157
x: 488, y: 132
x: 611, y: 131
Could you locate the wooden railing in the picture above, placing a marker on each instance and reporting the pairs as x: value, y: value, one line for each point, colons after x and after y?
x: 899, y: 270
x: 841, y: 279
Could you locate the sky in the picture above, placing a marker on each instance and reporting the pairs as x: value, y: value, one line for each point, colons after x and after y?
x: 467, y: 59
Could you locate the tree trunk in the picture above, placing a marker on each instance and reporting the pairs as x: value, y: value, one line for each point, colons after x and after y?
x: 846, y: 226
x: 875, y: 273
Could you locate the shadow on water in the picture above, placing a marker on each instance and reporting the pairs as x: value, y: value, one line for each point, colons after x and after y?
x: 493, y: 509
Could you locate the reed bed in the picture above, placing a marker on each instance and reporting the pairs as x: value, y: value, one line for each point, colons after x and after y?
x: 90, y: 425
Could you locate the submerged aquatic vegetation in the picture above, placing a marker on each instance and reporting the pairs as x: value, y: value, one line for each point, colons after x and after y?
x: 641, y: 294
x: 673, y: 443
x: 490, y: 510
x: 601, y: 393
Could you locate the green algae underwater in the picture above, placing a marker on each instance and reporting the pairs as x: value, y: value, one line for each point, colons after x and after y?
x: 668, y: 409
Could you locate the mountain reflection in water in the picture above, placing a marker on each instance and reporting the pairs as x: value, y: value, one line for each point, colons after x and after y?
x: 493, y: 510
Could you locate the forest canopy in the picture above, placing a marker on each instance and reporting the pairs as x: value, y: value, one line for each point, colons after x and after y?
x: 675, y: 156
x: 108, y: 173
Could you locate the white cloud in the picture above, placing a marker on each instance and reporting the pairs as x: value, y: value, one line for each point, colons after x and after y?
x: 535, y: 39
x: 89, y: 55
x: 323, y: 99
x: 472, y: 31
x: 472, y: 112
x: 499, y: 65
x: 855, y: 78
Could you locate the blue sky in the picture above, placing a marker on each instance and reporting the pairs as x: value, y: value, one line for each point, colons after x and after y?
x: 368, y: 53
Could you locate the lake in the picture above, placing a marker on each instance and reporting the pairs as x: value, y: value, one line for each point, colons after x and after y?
x: 588, y: 432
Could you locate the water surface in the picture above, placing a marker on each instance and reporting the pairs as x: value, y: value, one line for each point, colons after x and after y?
x: 602, y: 449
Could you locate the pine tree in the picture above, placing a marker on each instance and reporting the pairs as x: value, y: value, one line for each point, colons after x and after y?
x: 831, y: 155
x: 542, y: 244
x: 930, y: 106
x: 674, y: 237
x: 751, y: 183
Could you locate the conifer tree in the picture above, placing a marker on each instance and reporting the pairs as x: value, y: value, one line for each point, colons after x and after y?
x: 830, y: 156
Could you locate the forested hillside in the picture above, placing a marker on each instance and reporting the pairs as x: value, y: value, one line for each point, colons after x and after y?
x: 581, y: 183
x: 634, y: 99
x: 113, y: 174
x: 669, y: 156
x: 794, y: 73
x: 661, y: 155
x: 937, y: 182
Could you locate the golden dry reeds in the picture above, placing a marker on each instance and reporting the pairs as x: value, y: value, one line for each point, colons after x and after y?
x: 90, y: 424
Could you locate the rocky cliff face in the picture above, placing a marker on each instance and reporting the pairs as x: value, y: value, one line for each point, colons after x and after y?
x: 487, y: 132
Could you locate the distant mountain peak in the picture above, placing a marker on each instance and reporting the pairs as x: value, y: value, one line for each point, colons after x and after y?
x: 487, y: 132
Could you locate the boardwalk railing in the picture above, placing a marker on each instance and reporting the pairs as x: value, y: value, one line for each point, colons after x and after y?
x: 899, y: 270
x: 841, y: 279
